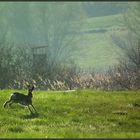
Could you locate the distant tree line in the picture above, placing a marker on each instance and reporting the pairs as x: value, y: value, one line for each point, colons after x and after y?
x: 95, y: 9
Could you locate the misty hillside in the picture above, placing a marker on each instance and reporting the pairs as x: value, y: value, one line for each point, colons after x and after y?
x: 89, y: 28
x: 99, y: 52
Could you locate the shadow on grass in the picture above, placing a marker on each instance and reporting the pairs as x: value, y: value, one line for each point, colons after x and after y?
x: 30, y: 116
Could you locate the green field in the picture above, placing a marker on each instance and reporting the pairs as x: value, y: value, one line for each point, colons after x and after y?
x: 96, y: 50
x: 102, y: 22
x: 77, y: 114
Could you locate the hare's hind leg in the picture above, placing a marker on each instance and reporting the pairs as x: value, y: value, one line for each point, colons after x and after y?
x: 8, y: 102
x: 11, y: 103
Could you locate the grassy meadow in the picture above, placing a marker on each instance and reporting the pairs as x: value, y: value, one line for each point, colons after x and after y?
x: 73, y: 114
x: 96, y: 49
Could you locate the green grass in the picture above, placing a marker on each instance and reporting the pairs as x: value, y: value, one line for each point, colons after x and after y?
x: 78, y: 114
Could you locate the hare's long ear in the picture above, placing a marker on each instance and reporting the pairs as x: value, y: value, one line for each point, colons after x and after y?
x: 32, y: 88
x: 28, y: 86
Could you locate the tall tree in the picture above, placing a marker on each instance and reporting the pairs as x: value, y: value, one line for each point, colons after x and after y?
x: 130, y: 41
x: 57, y: 24
x: 132, y: 18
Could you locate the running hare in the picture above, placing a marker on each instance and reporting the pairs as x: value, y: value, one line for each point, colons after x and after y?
x: 22, y: 99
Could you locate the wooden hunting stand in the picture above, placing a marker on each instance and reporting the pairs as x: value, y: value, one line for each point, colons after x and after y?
x: 39, y: 58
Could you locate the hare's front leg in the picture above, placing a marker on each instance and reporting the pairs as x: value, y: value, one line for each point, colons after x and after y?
x: 33, y: 108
